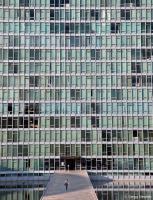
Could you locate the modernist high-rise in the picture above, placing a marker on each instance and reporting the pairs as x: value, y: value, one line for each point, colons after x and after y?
x: 76, y: 86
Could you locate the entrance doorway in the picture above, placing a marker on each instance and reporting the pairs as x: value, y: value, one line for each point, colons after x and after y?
x: 70, y: 163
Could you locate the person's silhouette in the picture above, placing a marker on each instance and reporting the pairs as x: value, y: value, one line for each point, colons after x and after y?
x: 66, y: 184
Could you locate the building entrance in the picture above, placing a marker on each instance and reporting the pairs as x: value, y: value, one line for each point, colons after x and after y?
x: 70, y: 163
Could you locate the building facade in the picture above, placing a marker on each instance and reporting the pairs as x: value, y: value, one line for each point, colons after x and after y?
x: 76, y: 81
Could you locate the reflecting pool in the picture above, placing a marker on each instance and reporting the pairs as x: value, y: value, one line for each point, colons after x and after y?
x: 22, y: 194
x: 125, y: 190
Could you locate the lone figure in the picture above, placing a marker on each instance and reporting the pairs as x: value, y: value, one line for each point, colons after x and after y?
x: 66, y: 184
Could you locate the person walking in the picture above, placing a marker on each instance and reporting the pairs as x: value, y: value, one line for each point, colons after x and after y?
x: 66, y: 184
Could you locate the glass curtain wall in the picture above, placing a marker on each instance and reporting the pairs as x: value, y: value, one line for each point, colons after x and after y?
x: 76, y: 86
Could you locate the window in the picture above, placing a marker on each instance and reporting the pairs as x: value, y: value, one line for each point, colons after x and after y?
x: 94, y: 121
x: 95, y: 54
x: 116, y: 94
x: 9, y: 122
x: 13, y: 68
x: 135, y: 67
x: 13, y: 54
x: 67, y: 28
x: 24, y: 2
x: 34, y: 54
x: 75, y: 94
x: 52, y: 2
x: 135, y: 133
x: 10, y: 108
x: 146, y: 53
x: 52, y: 15
x: 130, y: 3
x: 125, y: 15
x: 55, y: 122
x: 58, y: 3
x: 31, y: 14
x: 95, y: 15
x: 34, y: 81
x: 31, y: 108
x: 75, y: 122
x: 115, y: 27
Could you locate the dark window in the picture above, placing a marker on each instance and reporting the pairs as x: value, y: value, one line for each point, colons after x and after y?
x: 31, y: 108
x: 61, y: 2
x: 95, y: 54
x: 135, y: 54
x: 72, y: 93
x: 88, y: 136
x: 136, y: 81
x: 52, y: 15
x: 67, y: 28
x: 23, y: 2
x: 31, y: 14
x: 98, y: 111
x: 135, y: 133
x: 27, y: 164
x: 125, y: 15
x: 93, y: 108
x: 55, y: 122
x: 52, y: 2
x: 136, y: 67
x: 33, y: 122
x: 146, y: 53
x: 57, y: 3
x: 67, y: 1
x: 92, y: 13
x: 57, y: 28
x: 34, y: 54
x: 115, y: 27
x: 10, y: 54
x: 51, y: 121
x: 13, y: 54
x: 130, y: 3
x: 75, y: 122
x: 10, y: 108
x: 9, y: 122
x: 116, y: 94
x: 52, y: 28
x: 95, y: 14
x: 34, y: 81
x: 75, y: 94
x: 83, y: 137
x: 95, y: 121
x: 72, y: 121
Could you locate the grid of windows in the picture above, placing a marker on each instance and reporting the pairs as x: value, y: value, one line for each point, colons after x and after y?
x: 76, y: 82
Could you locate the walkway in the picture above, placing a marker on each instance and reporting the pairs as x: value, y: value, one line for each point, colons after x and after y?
x: 80, y: 187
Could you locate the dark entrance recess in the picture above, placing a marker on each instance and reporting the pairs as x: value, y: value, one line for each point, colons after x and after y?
x: 74, y: 163
x: 70, y: 163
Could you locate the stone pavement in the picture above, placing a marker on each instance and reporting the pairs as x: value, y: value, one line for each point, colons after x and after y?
x: 80, y: 187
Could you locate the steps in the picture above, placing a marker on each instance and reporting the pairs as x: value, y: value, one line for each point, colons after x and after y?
x: 80, y: 187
